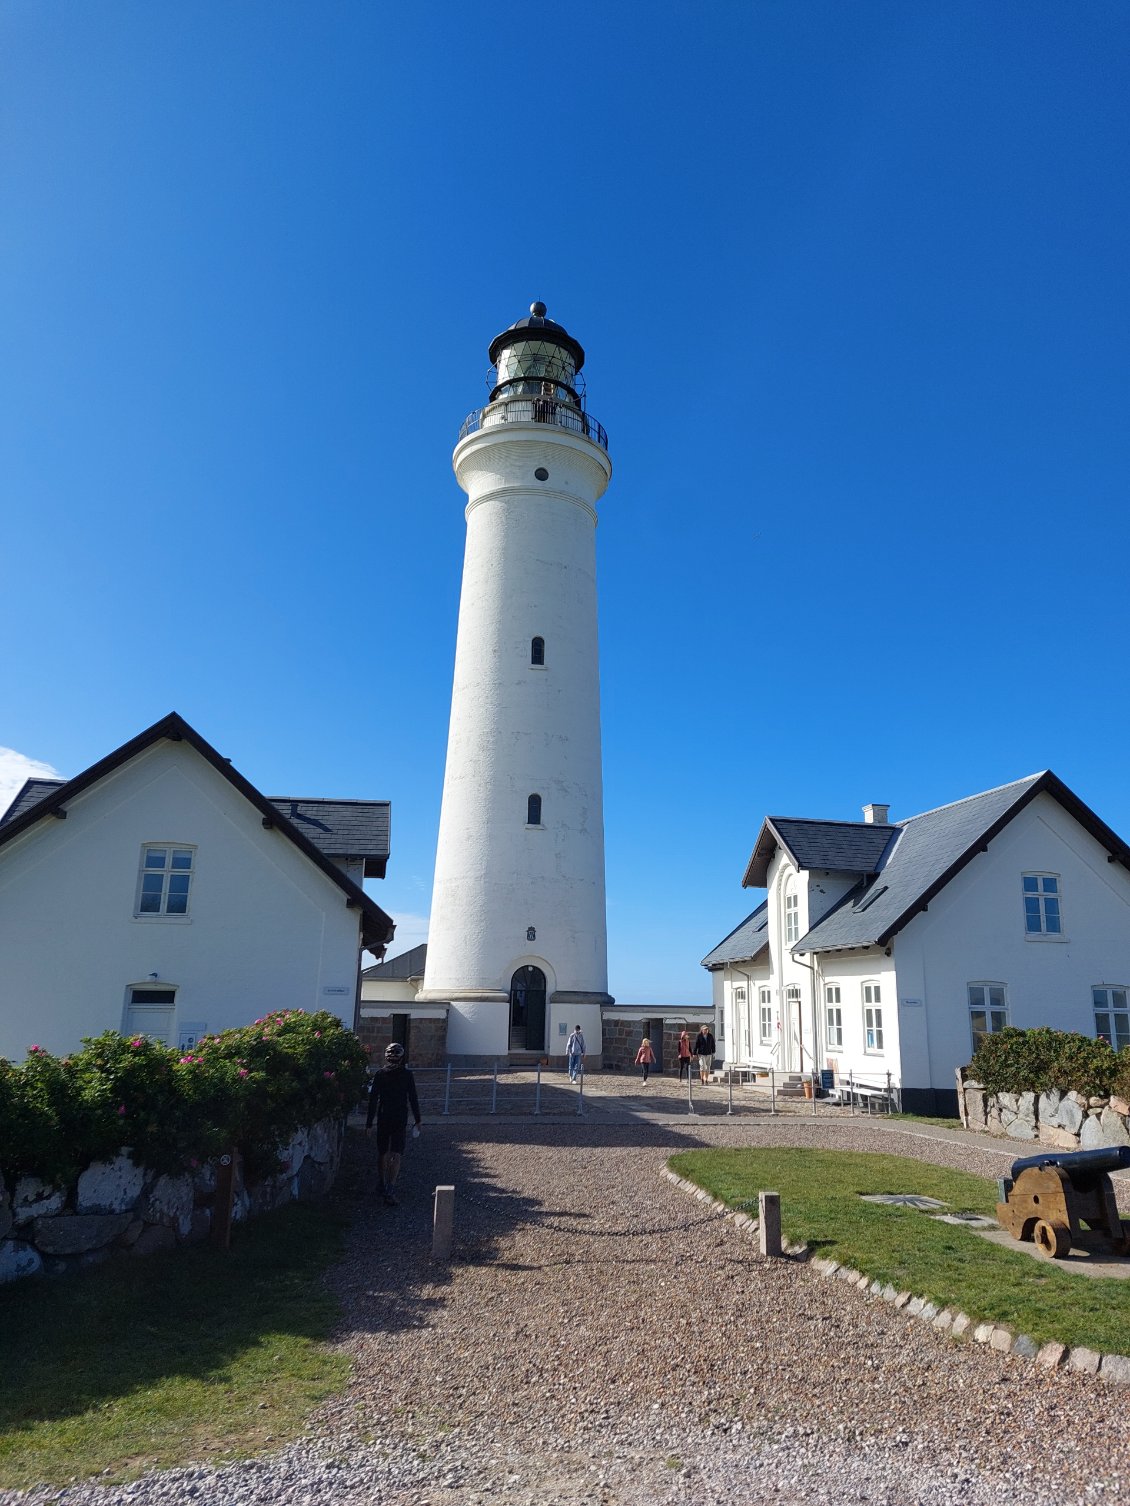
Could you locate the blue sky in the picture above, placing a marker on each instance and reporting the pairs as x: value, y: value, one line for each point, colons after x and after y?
x: 852, y: 284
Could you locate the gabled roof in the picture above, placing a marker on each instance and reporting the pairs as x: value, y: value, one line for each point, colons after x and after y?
x: 343, y: 828
x: 407, y: 965
x: 839, y: 846
x: 931, y: 849
x: 33, y: 791
x: 377, y: 927
x: 745, y: 942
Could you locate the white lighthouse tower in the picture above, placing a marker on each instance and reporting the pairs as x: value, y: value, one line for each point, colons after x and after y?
x: 517, y: 941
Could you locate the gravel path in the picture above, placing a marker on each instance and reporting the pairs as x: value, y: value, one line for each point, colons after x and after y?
x: 564, y: 1355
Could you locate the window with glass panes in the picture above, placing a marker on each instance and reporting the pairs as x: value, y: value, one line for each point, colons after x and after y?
x: 165, y: 879
x: 835, y: 1016
x: 765, y: 1011
x: 792, y: 920
x: 872, y: 1017
x: 1041, y: 904
x: 987, y: 1010
x: 1112, y: 1018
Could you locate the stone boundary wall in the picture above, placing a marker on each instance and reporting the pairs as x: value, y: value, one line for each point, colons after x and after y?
x: 427, y: 1039
x: 117, y: 1208
x: 1068, y: 1121
x: 1113, y: 1368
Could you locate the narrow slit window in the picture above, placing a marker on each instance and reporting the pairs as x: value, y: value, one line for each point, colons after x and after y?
x: 537, y: 651
x: 533, y: 811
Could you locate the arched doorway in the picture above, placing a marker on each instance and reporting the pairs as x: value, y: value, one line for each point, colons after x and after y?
x: 527, y: 1009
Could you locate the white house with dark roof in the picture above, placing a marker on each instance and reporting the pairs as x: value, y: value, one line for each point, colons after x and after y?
x: 160, y: 893
x: 890, y: 947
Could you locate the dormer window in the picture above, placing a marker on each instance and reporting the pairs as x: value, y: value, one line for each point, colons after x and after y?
x: 537, y: 652
x: 533, y: 811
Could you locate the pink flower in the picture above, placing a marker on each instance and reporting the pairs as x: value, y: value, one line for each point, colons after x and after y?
x: 242, y: 1072
x: 327, y: 1074
x: 33, y: 1049
x: 136, y: 1043
x: 121, y: 1108
x: 317, y: 1035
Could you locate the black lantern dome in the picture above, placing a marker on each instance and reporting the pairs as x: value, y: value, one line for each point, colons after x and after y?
x: 536, y: 358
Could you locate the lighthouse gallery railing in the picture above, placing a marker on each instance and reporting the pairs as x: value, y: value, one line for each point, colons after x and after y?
x: 535, y: 410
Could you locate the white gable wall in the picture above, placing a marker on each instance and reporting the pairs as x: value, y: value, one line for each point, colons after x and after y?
x: 266, y: 929
x: 973, y: 932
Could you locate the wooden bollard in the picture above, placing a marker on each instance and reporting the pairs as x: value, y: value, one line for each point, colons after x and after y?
x: 769, y: 1214
x: 222, y: 1200
x: 443, y: 1223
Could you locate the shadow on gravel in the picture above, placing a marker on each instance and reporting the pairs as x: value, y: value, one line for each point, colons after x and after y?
x: 388, y: 1280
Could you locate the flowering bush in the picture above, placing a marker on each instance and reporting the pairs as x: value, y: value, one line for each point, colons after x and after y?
x: 251, y: 1088
x: 1032, y: 1061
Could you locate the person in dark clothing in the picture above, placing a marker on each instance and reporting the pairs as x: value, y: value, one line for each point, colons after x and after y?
x: 704, y: 1049
x: 392, y: 1092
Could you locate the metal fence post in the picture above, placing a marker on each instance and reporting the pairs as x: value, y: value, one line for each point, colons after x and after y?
x: 494, y: 1090
x: 851, y: 1089
x: 537, y: 1092
x: 581, y: 1092
x: 447, y: 1091
x: 729, y: 1090
x: 772, y: 1090
x: 888, y: 1095
x: 690, y: 1094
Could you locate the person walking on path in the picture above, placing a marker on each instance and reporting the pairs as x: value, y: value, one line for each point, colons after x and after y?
x: 575, y: 1053
x: 684, y: 1055
x: 704, y: 1048
x: 645, y: 1056
x: 392, y: 1092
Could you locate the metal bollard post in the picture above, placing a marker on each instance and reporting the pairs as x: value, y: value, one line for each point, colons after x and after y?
x: 443, y: 1223
x: 772, y: 1090
x: 888, y: 1095
x: 537, y: 1092
x: 447, y: 1091
x: 729, y: 1090
x: 494, y: 1091
x: 851, y: 1090
x: 815, y: 1085
x: 581, y: 1092
x: 690, y: 1094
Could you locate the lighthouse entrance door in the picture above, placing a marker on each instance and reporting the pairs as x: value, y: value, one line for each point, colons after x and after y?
x: 527, y: 1010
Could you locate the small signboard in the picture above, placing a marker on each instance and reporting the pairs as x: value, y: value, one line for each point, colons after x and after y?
x: 337, y: 988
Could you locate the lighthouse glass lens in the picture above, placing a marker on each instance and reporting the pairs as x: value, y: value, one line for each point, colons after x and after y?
x: 536, y: 360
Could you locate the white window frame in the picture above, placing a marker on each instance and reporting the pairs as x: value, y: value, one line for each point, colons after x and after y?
x: 765, y: 1015
x: 792, y: 916
x: 985, y: 1005
x: 833, y: 1017
x: 1114, y: 1008
x: 167, y: 871
x: 872, y: 994
x: 1035, y: 898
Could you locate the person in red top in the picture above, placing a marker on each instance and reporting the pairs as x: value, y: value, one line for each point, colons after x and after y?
x: 684, y: 1055
x: 645, y: 1056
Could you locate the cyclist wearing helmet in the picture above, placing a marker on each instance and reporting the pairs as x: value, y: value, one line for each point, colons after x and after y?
x: 393, y: 1090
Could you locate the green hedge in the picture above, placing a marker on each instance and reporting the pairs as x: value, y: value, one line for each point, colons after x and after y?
x: 1034, y: 1061
x: 251, y: 1088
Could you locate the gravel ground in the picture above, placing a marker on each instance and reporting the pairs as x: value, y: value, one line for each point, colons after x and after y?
x: 599, y: 1337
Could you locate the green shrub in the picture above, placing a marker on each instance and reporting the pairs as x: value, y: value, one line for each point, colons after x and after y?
x: 251, y: 1088
x: 1034, y: 1061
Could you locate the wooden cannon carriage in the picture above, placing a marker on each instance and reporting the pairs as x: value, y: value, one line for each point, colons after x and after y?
x: 1047, y: 1196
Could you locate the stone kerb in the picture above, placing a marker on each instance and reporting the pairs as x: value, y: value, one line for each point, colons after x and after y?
x: 1067, y: 1121
x: 117, y: 1208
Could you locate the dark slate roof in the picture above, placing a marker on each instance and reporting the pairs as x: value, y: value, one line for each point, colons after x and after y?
x: 376, y: 927
x: 33, y: 792
x: 407, y: 965
x: 343, y: 828
x: 929, y: 850
x: 745, y: 942
x: 840, y: 846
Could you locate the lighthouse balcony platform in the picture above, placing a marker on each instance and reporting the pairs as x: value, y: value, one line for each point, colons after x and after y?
x: 535, y: 410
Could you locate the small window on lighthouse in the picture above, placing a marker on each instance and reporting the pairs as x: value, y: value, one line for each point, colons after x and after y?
x: 537, y: 650
x: 533, y: 811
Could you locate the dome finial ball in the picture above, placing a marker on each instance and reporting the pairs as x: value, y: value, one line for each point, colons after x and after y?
x: 538, y: 310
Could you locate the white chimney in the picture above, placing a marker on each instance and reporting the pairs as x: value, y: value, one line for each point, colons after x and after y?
x: 875, y: 815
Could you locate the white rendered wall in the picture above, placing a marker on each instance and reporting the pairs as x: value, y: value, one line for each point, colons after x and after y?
x: 974, y: 932
x: 516, y: 730
x: 266, y: 929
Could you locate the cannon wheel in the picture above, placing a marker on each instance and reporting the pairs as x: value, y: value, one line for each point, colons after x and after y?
x: 1053, y: 1240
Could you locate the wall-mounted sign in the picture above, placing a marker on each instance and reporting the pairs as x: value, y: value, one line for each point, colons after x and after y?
x: 337, y: 988
x: 911, y: 1003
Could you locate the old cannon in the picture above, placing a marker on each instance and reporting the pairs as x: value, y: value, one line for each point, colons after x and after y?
x: 1046, y: 1197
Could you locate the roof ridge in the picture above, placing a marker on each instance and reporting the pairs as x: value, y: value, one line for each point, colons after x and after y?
x: 980, y: 795
x: 327, y: 800
x: 835, y: 821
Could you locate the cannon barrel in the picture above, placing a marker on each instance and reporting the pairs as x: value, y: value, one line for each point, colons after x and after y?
x: 1104, y: 1158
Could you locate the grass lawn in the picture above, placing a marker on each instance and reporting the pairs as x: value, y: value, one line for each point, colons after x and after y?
x: 952, y: 1124
x: 951, y: 1266
x: 194, y: 1354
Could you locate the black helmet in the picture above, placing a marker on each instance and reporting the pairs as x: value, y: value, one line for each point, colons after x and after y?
x: 394, y: 1055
